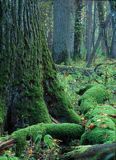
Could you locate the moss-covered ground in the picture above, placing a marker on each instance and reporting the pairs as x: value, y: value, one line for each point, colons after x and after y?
x: 93, y: 96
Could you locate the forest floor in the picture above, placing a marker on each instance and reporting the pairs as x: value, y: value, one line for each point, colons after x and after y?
x: 93, y: 93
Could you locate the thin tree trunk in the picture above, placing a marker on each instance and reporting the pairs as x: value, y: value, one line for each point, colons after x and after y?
x: 98, y: 42
x: 113, y: 45
x: 78, y: 30
x: 88, y: 28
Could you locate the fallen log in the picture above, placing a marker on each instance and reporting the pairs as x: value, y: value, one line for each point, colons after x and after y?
x: 63, y: 69
x: 90, y: 152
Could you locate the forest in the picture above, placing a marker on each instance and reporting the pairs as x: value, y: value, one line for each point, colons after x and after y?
x: 57, y: 79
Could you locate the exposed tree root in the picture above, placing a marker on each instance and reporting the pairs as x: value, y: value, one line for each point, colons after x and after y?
x: 65, y: 131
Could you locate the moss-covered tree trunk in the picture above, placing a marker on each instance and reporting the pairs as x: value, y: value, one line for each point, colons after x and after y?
x: 33, y: 92
x: 6, y: 59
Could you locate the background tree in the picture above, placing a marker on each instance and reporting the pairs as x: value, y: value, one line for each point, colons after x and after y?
x: 78, y: 30
x: 88, y: 28
x: 101, y: 15
x: 63, y: 34
x: 113, y: 12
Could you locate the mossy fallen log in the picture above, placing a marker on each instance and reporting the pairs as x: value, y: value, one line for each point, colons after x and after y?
x: 92, y: 152
x: 99, y: 129
x: 65, y: 131
x: 103, y: 110
x: 93, y: 96
x: 73, y: 70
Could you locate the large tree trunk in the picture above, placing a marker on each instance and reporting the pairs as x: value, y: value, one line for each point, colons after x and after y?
x: 6, y: 59
x: 63, y: 37
x: 33, y: 90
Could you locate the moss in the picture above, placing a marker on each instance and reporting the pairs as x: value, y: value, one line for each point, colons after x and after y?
x: 99, y: 129
x: 2, y: 112
x: 31, y: 106
x: 97, y: 92
x: 60, y: 105
x: 3, y: 158
x: 61, y: 131
x: 101, y: 121
x: 87, y: 104
x: 8, y: 158
x: 105, y: 110
x: 76, y: 151
x: 65, y: 130
x: 98, y: 135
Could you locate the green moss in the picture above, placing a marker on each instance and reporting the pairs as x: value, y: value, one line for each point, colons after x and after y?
x: 3, y: 158
x: 61, y: 131
x: 99, y: 129
x: 76, y: 151
x: 98, y: 135
x: 105, y: 110
x: 96, y: 94
x: 60, y: 104
x: 8, y: 158
x: 101, y: 121
x: 87, y: 104
x: 2, y: 112
x: 32, y: 107
x: 65, y: 130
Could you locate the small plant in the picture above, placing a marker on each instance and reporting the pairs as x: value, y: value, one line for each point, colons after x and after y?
x: 42, y: 147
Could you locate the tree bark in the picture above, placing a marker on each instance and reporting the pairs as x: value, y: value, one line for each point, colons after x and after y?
x: 97, y: 42
x: 63, y: 34
x: 113, y: 45
x: 88, y: 28
x: 78, y: 30
x: 102, y: 28
x: 29, y: 79
x: 97, y: 152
